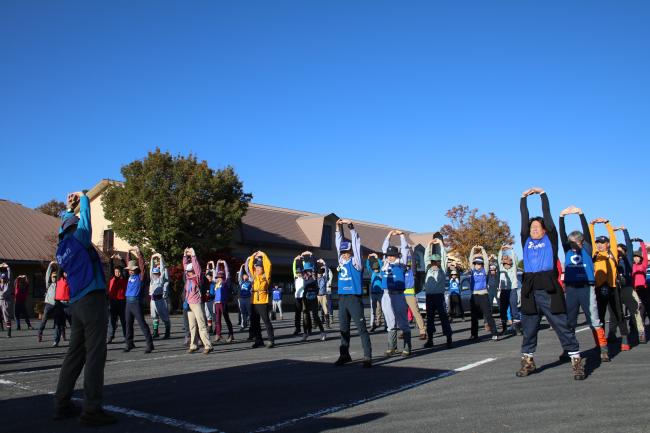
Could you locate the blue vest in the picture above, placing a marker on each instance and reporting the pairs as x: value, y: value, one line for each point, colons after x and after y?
x: 133, y: 286
x: 277, y: 295
x: 393, y: 278
x: 375, y: 283
x: 480, y: 279
x: 578, y: 268
x: 409, y: 279
x: 245, y: 290
x: 349, y: 279
x: 538, y: 255
x: 74, y: 258
x: 454, y: 286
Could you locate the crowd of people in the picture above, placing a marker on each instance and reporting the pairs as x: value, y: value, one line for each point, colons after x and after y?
x: 600, y: 276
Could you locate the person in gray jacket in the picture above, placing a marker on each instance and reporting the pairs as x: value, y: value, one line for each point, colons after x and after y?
x: 49, y: 310
x: 6, y: 297
x: 509, y: 288
x: 435, y: 283
x: 159, y: 292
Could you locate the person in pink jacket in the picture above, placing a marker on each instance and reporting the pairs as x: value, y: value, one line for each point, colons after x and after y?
x: 195, y: 315
x: 639, y: 270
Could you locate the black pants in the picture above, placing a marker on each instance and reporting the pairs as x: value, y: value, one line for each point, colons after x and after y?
x: 261, y: 311
x: 87, y: 351
x: 21, y: 310
x: 296, y: 318
x: 504, y: 303
x: 118, y: 310
x: 134, y: 312
x: 480, y: 304
x: 311, y: 306
x: 456, y: 305
x: 436, y: 303
x: 351, y: 307
x: 611, y: 297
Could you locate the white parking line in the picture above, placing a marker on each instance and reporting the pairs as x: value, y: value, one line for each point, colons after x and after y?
x: 128, y: 412
x: 343, y: 406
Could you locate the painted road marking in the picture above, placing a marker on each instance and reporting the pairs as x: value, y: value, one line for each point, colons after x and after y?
x: 343, y: 406
x: 128, y: 412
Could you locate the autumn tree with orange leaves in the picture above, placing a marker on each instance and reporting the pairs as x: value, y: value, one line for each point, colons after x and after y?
x: 467, y: 228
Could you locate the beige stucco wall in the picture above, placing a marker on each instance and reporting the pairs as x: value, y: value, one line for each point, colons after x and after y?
x: 100, y: 223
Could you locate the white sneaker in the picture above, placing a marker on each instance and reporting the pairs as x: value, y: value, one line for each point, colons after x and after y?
x: 323, y: 336
x: 495, y: 338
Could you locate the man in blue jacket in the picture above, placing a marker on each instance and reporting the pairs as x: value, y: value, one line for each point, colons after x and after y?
x: 78, y: 258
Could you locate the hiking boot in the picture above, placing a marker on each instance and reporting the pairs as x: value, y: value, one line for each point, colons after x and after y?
x: 578, y: 366
x: 604, y: 356
x: 68, y: 411
x: 428, y: 344
x: 96, y: 419
x: 391, y: 352
x: 344, y: 358
x: 527, y: 366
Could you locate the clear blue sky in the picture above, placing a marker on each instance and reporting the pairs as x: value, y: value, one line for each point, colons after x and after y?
x: 384, y: 111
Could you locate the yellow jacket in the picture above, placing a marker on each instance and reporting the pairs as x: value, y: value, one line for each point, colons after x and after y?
x: 261, y: 283
x: 605, y: 262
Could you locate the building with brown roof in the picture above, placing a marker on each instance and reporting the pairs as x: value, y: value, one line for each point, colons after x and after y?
x: 28, y: 241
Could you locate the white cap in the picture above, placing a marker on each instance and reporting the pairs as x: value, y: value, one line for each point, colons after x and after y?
x: 189, y: 268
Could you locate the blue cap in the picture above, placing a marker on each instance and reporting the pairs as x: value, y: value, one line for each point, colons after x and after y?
x: 602, y: 239
x: 478, y: 261
x: 345, y: 246
x: 155, y: 270
x: 307, y: 266
x: 3, y: 276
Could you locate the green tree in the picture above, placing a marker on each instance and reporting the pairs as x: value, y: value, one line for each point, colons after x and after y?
x: 467, y: 228
x: 168, y: 203
x: 53, y: 208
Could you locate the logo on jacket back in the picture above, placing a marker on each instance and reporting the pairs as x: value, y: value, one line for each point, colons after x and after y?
x: 343, y: 273
x: 533, y: 246
x: 576, y: 260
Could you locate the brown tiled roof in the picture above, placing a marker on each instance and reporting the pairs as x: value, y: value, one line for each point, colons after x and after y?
x: 265, y: 224
x: 26, y: 234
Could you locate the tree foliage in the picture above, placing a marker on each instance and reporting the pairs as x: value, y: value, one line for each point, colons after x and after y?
x: 168, y: 203
x: 466, y: 229
x: 53, y: 208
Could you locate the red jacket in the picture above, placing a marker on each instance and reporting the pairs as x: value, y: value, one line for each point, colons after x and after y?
x: 62, y: 292
x: 117, y: 288
x: 21, y: 290
x: 639, y: 271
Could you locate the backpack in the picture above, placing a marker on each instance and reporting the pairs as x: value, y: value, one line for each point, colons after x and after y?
x: 78, y: 262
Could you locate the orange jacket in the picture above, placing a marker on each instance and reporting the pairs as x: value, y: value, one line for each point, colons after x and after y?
x: 605, y: 262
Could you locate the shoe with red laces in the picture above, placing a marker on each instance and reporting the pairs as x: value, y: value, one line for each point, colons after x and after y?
x: 625, y: 347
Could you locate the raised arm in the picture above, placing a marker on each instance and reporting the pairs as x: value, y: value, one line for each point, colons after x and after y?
x: 356, y: 249
x: 644, y: 256
x: 266, y: 264
x: 525, y: 217
x: 613, y: 243
x: 226, y: 269
x: 484, y: 255
x: 48, y: 274
x: 84, y: 228
x: 563, y: 237
x: 196, y: 266
x: 628, y: 246
x: 546, y: 212
x: 404, y: 247
x: 386, y: 243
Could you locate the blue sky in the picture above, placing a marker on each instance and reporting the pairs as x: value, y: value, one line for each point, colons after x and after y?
x: 383, y: 111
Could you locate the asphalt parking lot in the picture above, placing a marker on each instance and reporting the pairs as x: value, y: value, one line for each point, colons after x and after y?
x: 295, y: 387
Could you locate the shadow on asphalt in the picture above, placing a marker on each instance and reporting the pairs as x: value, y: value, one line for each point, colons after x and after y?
x: 234, y: 399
